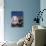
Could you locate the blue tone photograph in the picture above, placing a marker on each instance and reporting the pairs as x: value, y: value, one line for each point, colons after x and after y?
x: 17, y: 18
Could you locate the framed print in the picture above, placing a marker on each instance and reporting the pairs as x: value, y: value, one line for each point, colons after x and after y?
x: 17, y: 18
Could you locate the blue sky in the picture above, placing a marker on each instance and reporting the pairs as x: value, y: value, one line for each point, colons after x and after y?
x: 17, y: 13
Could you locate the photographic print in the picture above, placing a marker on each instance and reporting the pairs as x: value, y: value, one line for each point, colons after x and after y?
x: 17, y: 18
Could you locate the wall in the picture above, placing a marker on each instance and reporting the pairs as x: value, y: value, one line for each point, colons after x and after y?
x: 29, y: 7
x: 1, y: 21
x: 43, y: 6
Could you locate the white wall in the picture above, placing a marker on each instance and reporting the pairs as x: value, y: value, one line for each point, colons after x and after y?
x: 1, y: 21
x: 43, y: 6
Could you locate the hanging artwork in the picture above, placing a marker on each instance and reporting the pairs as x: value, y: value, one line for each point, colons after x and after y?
x: 17, y: 18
